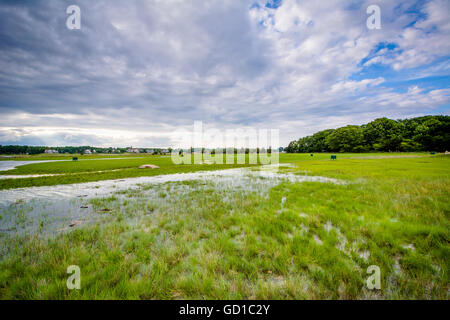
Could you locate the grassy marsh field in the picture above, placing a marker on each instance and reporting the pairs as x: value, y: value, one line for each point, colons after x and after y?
x: 247, y: 237
x: 126, y: 166
x: 97, y: 168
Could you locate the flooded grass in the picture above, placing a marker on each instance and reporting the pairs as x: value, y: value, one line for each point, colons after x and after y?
x: 69, y: 172
x: 247, y: 235
x: 40, y: 171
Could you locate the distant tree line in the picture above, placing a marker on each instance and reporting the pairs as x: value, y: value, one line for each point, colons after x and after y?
x: 21, y: 150
x: 14, y: 149
x: 428, y: 133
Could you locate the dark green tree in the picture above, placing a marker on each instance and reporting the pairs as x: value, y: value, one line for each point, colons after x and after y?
x: 346, y: 139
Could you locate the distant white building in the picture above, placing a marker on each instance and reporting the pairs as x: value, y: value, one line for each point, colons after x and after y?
x: 133, y: 150
x: 50, y: 151
x: 150, y: 150
x: 87, y: 151
x: 164, y: 151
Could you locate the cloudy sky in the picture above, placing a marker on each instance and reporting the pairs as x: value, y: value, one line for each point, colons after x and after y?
x: 138, y: 70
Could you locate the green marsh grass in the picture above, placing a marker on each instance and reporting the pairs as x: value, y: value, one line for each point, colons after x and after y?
x: 310, y: 240
x: 96, y: 169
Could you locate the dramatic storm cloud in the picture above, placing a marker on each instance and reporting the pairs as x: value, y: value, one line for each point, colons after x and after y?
x: 138, y: 70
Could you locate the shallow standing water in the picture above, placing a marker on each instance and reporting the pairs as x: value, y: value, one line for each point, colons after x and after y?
x: 105, y: 187
x: 10, y: 164
x: 29, y: 209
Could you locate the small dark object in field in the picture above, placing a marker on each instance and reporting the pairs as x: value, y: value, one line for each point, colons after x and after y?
x: 312, y: 155
x: 105, y: 210
x: 75, y: 159
x: 148, y: 166
x: 75, y: 222
x: 82, y: 196
x: 84, y: 207
x: 333, y: 157
x: 432, y: 153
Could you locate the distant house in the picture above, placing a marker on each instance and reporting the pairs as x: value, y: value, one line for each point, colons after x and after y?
x: 87, y: 151
x: 164, y: 151
x: 150, y: 150
x: 50, y: 151
x: 133, y: 150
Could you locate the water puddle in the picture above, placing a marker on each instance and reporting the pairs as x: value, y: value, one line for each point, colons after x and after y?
x: 11, y: 164
x: 53, y: 208
x: 28, y: 176
x: 105, y: 187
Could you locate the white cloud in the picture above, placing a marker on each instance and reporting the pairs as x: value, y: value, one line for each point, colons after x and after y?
x: 137, y: 71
